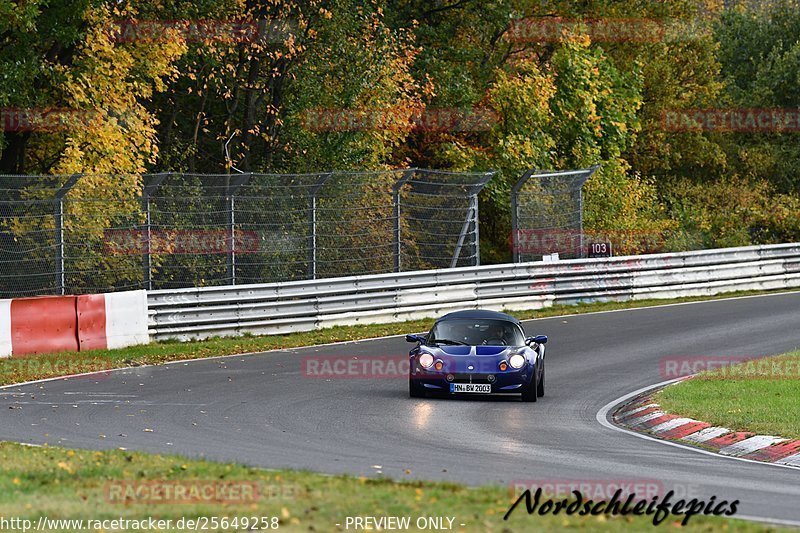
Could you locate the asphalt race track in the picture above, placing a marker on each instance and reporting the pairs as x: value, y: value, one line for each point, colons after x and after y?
x: 263, y: 410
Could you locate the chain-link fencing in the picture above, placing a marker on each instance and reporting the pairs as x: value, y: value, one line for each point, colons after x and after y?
x: 547, y: 215
x: 90, y: 233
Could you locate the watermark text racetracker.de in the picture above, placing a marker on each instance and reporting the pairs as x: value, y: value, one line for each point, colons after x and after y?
x: 149, y: 523
x: 181, y: 491
x: 76, y: 365
x: 425, y: 119
x: 599, y: 489
x: 621, y: 497
x: 338, y: 367
x: 553, y: 29
x: 201, y: 31
x: 730, y: 366
x: 192, y: 491
x: 180, y: 242
x: 574, y: 241
x: 46, y: 119
x: 741, y: 120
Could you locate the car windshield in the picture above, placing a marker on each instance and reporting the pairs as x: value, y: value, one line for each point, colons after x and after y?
x: 476, y: 332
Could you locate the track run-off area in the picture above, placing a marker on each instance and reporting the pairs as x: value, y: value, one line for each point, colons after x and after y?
x: 263, y: 410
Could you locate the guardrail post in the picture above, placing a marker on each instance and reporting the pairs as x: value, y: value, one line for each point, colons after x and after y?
x: 312, y: 224
x: 398, y: 185
x: 147, y: 259
x: 515, y: 213
x: 61, y: 281
x: 233, y: 186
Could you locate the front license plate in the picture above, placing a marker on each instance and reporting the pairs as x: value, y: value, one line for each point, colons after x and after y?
x: 471, y: 387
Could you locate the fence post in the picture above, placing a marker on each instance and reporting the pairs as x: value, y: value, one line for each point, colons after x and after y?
x: 592, y: 170
x: 471, y: 220
x: 464, y: 229
x: 147, y: 260
x: 398, y: 185
x: 312, y: 224
x: 61, y: 281
x: 515, y: 213
x: 233, y: 186
x: 474, y: 202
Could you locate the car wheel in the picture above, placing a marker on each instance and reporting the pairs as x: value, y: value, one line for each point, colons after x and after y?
x: 540, y: 385
x: 415, y: 390
x: 529, y: 392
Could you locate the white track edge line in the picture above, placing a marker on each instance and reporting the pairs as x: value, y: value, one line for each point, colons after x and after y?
x: 603, y: 413
x: 192, y: 360
x: 712, y: 299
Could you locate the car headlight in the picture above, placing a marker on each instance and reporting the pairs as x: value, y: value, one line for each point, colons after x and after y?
x: 426, y: 360
x: 517, y: 361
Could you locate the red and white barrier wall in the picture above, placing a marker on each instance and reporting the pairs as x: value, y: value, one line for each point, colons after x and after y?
x: 5, y: 328
x: 49, y: 324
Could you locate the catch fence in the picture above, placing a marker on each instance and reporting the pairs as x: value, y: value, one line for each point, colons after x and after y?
x: 91, y: 233
x: 547, y: 214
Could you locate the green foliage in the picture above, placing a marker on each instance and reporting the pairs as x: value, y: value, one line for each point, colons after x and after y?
x: 760, y: 58
x: 733, y: 211
x: 358, y: 68
x: 578, y: 111
x: 747, y: 193
x: 281, y: 102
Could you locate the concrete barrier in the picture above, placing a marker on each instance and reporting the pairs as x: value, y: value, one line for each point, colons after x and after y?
x: 5, y: 328
x: 126, y: 319
x: 44, y: 325
x: 49, y: 324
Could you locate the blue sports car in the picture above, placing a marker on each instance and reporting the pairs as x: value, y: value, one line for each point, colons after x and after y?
x: 477, y: 352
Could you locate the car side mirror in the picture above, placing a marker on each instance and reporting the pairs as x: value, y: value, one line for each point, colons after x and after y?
x: 416, y: 338
x: 538, y: 339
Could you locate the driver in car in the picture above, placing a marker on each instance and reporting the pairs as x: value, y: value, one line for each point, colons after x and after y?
x: 496, y: 336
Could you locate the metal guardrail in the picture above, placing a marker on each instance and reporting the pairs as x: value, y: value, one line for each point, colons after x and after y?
x: 277, y: 308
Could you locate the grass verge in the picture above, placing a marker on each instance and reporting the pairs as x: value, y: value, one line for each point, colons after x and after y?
x: 66, y: 484
x: 20, y: 369
x: 760, y: 396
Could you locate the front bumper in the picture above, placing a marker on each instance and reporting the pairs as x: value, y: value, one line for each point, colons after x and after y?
x: 510, y: 381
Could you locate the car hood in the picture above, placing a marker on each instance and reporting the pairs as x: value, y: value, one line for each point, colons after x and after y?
x: 476, y: 351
